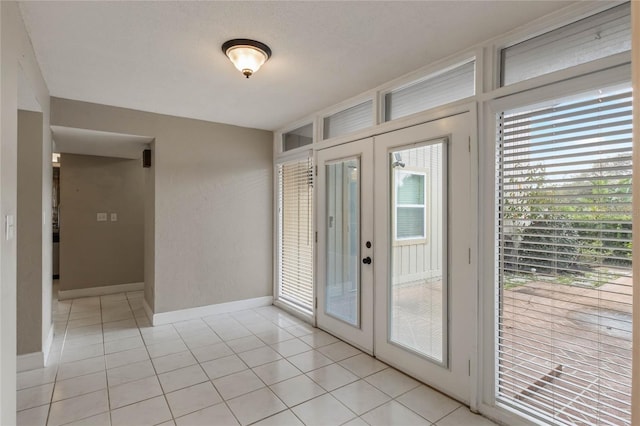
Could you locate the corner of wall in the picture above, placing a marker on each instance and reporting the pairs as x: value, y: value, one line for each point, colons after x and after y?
x: 149, y: 233
x: 15, y: 48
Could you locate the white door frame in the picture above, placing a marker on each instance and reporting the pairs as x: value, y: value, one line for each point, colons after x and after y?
x: 362, y: 336
x: 455, y: 378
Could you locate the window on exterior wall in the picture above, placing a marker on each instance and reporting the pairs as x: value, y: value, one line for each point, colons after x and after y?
x: 410, y: 214
x: 448, y: 86
x: 295, y: 233
x: 302, y: 136
x: 595, y: 37
x: 564, y: 276
x: 357, y: 117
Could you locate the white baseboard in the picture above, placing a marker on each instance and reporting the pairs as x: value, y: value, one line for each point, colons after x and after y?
x: 147, y: 310
x: 203, y: 311
x: 46, y: 348
x: 99, y: 291
x: 34, y: 360
x: 30, y: 361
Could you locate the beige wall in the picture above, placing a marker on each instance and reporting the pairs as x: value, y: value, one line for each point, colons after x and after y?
x: 92, y: 253
x: 16, y: 52
x: 29, y: 233
x: 212, y: 196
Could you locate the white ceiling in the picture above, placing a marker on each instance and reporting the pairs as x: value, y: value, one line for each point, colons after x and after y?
x: 165, y: 57
x: 70, y: 140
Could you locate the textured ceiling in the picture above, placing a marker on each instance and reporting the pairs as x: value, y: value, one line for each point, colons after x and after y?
x: 165, y: 57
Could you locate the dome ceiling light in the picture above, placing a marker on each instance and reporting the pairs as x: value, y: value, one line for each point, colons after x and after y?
x: 247, y: 55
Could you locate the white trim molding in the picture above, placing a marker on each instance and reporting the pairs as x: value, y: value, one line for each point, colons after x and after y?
x: 46, y: 347
x: 147, y: 310
x: 30, y: 361
x: 203, y: 311
x: 290, y: 308
x: 99, y: 291
x: 34, y: 360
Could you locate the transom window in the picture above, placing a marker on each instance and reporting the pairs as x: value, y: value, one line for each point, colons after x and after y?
x: 598, y: 36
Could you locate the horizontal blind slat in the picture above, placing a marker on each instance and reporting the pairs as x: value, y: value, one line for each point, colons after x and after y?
x: 295, y: 235
x: 349, y: 120
x: 564, y: 266
x: 448, y: 86
x: 588, y: 39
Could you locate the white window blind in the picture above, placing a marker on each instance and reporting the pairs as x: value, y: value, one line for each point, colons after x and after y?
x: 295, y: 233
x: 349, y: 120
x: 564, y: 260
x: 449, y: 86
x: 592, y: 38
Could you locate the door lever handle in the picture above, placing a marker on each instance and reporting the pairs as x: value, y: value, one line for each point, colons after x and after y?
x: 367, y: 260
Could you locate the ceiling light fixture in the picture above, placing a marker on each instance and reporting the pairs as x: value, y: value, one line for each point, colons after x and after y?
x: 247, y: 55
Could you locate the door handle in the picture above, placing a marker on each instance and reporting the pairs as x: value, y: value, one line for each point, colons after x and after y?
x: 367, y: 260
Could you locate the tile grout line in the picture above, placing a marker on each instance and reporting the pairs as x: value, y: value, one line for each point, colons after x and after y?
x: 243, y: 361
x: 224, y: 401
x: 106, y: 376
x: 55, y: 379
x: 61, y: 352
x: 245, y: 325
x: 152, y: 366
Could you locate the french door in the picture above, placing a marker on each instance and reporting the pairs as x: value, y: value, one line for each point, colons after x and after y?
x: 345, y: 235
x: 426, y: 294
x: 404, y: 219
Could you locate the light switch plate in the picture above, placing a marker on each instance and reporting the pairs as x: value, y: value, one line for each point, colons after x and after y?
x: 114, y: 217
x: 102, y: 217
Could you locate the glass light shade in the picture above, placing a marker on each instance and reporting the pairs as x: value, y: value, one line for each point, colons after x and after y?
x: 247, y: 59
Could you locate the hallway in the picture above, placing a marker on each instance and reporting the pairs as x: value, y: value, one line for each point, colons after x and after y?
x: 108, y: 366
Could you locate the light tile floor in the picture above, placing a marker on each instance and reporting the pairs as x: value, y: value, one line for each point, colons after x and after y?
x: 109, y: 366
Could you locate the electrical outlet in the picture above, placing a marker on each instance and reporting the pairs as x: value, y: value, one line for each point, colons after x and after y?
x: 114, y: 217
x: 102, y: 217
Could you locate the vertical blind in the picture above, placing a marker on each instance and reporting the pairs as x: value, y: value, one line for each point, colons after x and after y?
x: 295, y: 232
x: 592, y: 38
x: 564, y: 260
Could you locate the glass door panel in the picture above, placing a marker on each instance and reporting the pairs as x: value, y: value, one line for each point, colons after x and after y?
x: 343, y: 240
x: 424, y: 229
x: 418, y: 288
x: 345, y: 248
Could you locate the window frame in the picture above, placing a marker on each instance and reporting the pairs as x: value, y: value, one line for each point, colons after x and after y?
x: 492, y: 73
x: 488, y: 295
x: 488, y: 98
x: 417, y: 239
x: 424, y: 77
x: 294, y: 308
x: 282, y: 136
x: 500, y: 49
x: 536, y: 257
